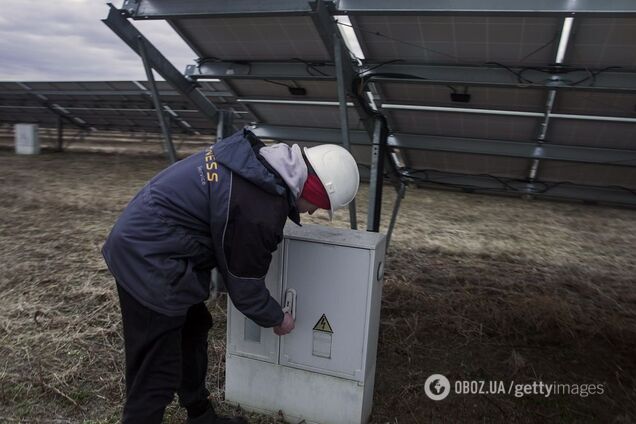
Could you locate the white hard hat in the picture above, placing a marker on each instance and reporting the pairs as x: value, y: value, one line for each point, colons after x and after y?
x: 338, y: 172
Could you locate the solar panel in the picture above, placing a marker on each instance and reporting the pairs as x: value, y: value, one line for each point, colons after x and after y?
x: 33, y: 114
x: 595, y: 103
x: 531, y: 100
x: 594, y: 175
x: 279, y: 89
x: 465, y: 125
x: 253, y: 38
x: 469, y: 164
x: 304, y: 116
x: 113, y: 105
x: 610, y: 135
x: 459, y: 39
x: 603, y: 42
x: 451, y: 38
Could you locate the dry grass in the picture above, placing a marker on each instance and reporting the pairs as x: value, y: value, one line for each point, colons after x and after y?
x: 476, y: 288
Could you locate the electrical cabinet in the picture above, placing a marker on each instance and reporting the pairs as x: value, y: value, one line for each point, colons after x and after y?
x: 26, y: 139
x: 323, y: 371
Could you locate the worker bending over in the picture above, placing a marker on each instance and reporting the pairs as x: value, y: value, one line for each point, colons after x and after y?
x: 222, y: 208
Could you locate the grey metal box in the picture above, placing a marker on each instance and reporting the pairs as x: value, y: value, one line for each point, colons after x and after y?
x: 324, y: 370
x: 27, y: 141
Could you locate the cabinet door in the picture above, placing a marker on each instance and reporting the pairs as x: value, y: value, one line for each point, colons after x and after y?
x: 244, y: 337
x: 331, y: 284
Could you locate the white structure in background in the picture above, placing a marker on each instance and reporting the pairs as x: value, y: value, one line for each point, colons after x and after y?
x: 27, y: 141
x: 324, y: 370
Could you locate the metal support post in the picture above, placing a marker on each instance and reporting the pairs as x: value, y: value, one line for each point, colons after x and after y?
x: 328, y: 31
x: 224, y: 124
x: 396, y: 208
x: 564, y: 39
x: 543, y: 130
x: 167, y: 139
x: 220, y: 126
x: 60, y: 134
x: 344, y: 116
x: 376, y: 180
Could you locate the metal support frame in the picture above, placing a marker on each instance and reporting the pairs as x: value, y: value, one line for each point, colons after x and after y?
x: 396, y: 209
x: 260, y: 70
x: 543, y: 130
x: 170, y: 114
x: 549, y: 105
x: 489, y: 7
x: 378, y: 154
x: 484, y: 76
x: 165, y: 130
x: 162, y: 9
x: 517, y: 149
x: 344, y: 116
x: 420, y: 108
x: 224, y: 124
x: 374, y: 124
x: 117, y: 21
x: 322, y: 11
x: 117, y: 93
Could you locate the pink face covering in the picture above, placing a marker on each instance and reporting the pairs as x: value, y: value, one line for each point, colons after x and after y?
x: 314, y: 192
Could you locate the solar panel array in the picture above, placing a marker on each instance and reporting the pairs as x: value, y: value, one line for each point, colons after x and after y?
x: 506, y: 40
x: 112, y: 105
x: 517, y: 42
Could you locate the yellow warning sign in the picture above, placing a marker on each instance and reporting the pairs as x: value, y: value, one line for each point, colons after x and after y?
x: 323, y: 325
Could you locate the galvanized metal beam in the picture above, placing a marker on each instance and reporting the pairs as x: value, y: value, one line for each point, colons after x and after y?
x: 171, y: 114
x: 224, y: 125
x: 165, y: 129
x: 421, y: 108
x: 344, y: 116
x: 117, y: 21
x: 327, y: 28
x: 526, y: 150
x: 542, y: 130
x: 485, y: 76
x: 489, y: 7
x: 396, y: 209
x: 376, y: 179
x: 314, y: 71
x: 115, y: 93
x: 373, y: 122
x: 163, y: 9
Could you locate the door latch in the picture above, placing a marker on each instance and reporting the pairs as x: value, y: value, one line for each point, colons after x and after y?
x: 290, y: 302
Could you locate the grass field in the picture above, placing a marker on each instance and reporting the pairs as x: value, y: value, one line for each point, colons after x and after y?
x: 476, y: 288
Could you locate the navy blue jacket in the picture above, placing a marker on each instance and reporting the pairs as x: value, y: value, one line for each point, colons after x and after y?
x: 223, y: 207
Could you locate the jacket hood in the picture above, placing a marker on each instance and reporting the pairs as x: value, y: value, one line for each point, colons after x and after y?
x: 236, y: 153
x: 289, y: 164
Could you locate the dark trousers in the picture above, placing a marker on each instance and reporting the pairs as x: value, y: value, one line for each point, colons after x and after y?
x: 164, y: 355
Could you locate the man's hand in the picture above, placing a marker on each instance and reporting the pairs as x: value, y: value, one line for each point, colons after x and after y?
x: 286, y: 326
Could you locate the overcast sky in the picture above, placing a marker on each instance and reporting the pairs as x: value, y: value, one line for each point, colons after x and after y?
x: 65, y: 40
